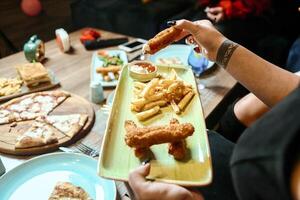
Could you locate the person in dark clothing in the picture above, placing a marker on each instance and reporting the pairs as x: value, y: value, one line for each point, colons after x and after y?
x: 265, y: 161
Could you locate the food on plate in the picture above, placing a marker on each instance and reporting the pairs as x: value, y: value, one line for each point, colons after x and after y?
x: 159, y: 92
x: 142, y: 70
x: 141, y: 137
x: 177, y: 149
x: 141, y: 152
x: 161, y: 40
x: 169, y: 61
x: 106, y: 70
x: 33, y: 73
x: 67, y: 124
x: 39, y: 134
x: 184, y: 101
x: 9, y: 86
x: 147, y: 113
x: 112, y: 65
x: 31, y: 106
x: 68, y: 191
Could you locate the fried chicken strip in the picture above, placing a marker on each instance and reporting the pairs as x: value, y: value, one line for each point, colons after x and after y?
x: 145, y: 137
x: 177, y: 149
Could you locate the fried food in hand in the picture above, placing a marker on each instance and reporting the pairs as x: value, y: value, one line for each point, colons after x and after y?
x: 145, y: 137
x: 161, y: 40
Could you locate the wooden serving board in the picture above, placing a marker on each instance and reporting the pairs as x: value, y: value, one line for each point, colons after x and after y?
x: 72, y: 105
x: 41, y: 87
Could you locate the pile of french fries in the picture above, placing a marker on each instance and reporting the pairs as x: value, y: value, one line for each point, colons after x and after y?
x: 160, y: 92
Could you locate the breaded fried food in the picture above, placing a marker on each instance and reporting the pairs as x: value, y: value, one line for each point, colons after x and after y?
x: 161, y: 40
x: 146, y: 136
x: 177, y: 149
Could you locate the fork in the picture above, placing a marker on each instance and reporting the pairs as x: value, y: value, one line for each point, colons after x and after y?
x: 87, y: 150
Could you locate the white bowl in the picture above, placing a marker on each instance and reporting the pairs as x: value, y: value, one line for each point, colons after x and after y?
x: 140, y: 75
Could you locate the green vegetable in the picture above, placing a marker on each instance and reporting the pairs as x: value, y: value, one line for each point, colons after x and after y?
x: 111, y: 60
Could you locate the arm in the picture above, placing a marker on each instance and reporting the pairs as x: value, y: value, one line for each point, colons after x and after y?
x: 265, y: 80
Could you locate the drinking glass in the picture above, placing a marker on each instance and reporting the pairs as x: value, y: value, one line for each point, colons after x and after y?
x: 199, y: 64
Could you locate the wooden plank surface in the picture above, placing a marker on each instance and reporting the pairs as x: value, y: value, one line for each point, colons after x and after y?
x: 72, y: 105
x: 73, y: 71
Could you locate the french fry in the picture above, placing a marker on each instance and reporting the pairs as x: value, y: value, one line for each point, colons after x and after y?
x: 148, y: 113
x: 185, y: 100
x: 173, y: 75
x: 160, y: 103
x: 136, y: 92
x: 155, y: 97
x: 175, y: 107
x: 149, y: 86
x: 139, y: 85
x: 172, y: 87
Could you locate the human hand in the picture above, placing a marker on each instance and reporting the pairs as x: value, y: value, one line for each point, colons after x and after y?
x: 204, y: 35
x: 216, y: 14
x: 144, y: 189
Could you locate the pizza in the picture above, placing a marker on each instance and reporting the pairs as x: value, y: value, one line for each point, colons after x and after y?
x: 67, y: 124
x: 39, y: 134
x: 68, y: 191
x: 31, y: 106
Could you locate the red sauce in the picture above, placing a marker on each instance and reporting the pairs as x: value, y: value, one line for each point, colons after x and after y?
x: 150, y: 68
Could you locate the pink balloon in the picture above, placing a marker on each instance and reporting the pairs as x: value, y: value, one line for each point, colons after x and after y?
x: 31, y: 7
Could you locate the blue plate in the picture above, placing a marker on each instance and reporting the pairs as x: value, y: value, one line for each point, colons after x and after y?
x: 97, y: 62
x: 36, y: 178
x: 180, y: 51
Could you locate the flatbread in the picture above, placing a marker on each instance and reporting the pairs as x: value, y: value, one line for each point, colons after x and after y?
x: 68, y: 191
x: 39, y: 134
x: 31, y: 106
x: 67, y: 124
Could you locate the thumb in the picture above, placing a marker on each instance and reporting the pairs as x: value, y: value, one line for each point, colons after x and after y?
x: 137, y: 176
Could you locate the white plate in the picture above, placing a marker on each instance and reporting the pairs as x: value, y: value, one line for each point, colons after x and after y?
x: 97, y: 62
x: 36, y: 178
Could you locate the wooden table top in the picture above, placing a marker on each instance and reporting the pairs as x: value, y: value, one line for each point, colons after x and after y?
x: 73, y: 71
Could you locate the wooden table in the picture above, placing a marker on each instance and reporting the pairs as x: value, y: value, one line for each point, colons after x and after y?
x: 73, y: 71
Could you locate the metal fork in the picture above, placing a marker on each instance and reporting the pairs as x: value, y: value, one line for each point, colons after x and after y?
x: 87, y: 150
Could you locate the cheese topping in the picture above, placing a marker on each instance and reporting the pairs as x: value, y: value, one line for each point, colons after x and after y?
x: 63, y: 123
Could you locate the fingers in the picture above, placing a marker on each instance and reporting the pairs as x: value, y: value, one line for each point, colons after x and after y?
x: 187, y: 25
x: 183, y: 34
x: 137, y: 176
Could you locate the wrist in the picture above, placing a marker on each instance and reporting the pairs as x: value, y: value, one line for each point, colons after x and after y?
x: 224, y: 52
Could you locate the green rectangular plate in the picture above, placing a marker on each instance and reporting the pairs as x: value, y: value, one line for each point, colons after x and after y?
x: 117, y: 159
